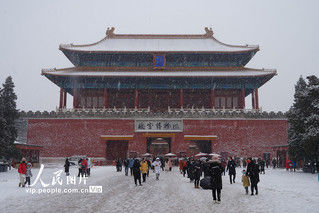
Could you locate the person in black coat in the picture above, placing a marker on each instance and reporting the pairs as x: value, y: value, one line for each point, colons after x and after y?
x: 206, y: 168
x: 216, y: 171
x: 231, y: 168
x: 197, y: 173
x: 149, y: 166
x: 137, y: 172
x: 190, y: 170
x: 67, y: 167
x: 253, y: 173
x: 262, y: 166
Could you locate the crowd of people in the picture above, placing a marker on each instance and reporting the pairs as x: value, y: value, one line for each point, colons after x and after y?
x: 213, y: 169
x: 141, y: 167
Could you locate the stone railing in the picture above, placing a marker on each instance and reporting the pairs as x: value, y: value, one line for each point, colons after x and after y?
x: 147, y: 113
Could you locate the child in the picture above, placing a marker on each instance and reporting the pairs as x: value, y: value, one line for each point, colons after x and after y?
x: 245, y: 180
x: 28, y: 174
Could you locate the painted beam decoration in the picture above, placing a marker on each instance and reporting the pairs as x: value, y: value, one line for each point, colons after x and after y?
x: 158, y: 126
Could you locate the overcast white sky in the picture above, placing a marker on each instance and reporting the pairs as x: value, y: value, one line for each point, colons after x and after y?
x: 31, y: 31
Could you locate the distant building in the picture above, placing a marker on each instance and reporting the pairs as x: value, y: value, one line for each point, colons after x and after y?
x: 134, y: 94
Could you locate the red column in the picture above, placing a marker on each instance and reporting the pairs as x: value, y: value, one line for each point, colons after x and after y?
x: 106, y: 101
x: 256, y: 98
x: 74, y: 98
x: 61, y: 98
x: 136, y: 99
x: 181, y: 98
x: 64, y: 102
x: 212, y: 96
x: 243, y: 98
x: 253, y: 99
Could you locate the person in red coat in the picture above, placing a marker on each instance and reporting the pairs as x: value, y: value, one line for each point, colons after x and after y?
x: 181, y: 166
x: 84, y: 167
x: 22, y: 170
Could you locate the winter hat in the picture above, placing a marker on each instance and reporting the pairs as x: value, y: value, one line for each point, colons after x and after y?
x: 157, y: 158
x: 29, y: 164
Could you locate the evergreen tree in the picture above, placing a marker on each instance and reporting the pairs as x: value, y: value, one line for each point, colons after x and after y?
x: 303, y: 119
x: 3, y: 128
x: 311, y: 136
x: 8, y: 115
x: 296, y: 121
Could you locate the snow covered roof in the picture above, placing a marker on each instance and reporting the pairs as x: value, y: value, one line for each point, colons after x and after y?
x: 237, y: 72
x: 158, y: 43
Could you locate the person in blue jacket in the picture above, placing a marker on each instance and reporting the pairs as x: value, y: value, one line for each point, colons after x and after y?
x: 130, y: 165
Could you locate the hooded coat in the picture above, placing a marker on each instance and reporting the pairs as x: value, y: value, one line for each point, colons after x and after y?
x: 216, y: 171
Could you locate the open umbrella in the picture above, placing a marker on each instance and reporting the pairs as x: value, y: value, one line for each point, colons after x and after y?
x: 170, y: 155
x: 203, y: 158
x: 201, y: 154
x: 147, y: 155
x: 214, y: 155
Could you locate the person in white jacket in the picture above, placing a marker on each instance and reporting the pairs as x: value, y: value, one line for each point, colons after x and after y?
x: 157, y: 167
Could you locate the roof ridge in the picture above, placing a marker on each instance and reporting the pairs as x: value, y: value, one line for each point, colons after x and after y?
x: 209, y: 34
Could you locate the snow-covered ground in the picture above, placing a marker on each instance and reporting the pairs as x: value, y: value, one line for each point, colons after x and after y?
x: 279, y: 191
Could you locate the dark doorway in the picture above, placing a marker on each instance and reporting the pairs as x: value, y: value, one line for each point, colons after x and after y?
x: 158, y: 146
x: 204, y: 146
x: 281, y: 158
x: 116, y: 149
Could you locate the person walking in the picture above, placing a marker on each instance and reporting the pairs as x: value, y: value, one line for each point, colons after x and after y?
x: 130, y: 165
x: 180, y: 164
x: 137, y: 172
x: 253, y: 173
x: 22, y: 169
x: 126, y: 164
x: 184, y: 167
x: 274, y: 163
x: 157, y: 167
x: 245, y: 180
x: 197, y: 173
x: 166, y: 165
x: 216, y: 179
x: 144, y: 169
x: 170, y: 165
x: 67, y: 167
x: 162, y: 163
x: 231, y: 168
x: 262, y: 166
x: 190, y: 170
x: 84, y: 166
x: 149, y: 166
x: 89, y: 166
x: 80, y: 167
x: 28, y: 174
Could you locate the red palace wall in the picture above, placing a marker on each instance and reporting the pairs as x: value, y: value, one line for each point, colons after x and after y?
x: 240, y: 137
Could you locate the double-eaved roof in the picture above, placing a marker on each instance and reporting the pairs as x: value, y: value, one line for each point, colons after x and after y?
x: 159, y: 62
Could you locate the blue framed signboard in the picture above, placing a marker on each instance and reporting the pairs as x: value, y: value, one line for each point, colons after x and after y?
x: 158, y: 61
